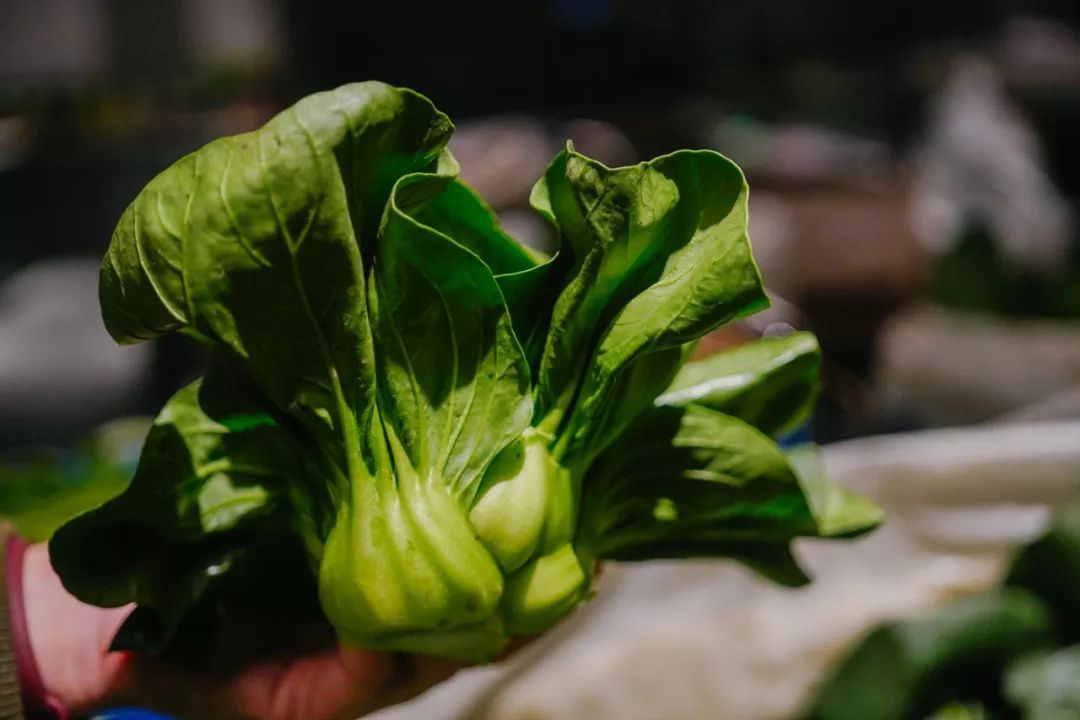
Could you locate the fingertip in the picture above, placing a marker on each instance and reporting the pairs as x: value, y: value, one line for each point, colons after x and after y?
x: 314, y: 687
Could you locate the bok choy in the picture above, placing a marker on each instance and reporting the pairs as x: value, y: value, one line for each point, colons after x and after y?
x: 453, y: 428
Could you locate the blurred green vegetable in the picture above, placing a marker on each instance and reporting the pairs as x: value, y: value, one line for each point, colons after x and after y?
x: 1046, y: 686
x: 909, y: 668
x: 959, y: 711
x: 974, y: 275
x: 1009, y: 653
x: 1050, y: 567
x: 44, y: 489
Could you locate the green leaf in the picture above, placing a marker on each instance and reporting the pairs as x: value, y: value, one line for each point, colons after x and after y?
x: 207, y: 491
x: 660, y: 256
x: 692, y: 481
x: 454, y: 384
x: 255, y: 242
x: 837, y: 512
x: 771, y: 383
x: 526, y: 277
x: 447, y: 203
x: 634, y: 391
x: 1046, y: 685
x: 770, y: 559
x: 249, y: 611
x: 43, y: 490
x: 907, y: 669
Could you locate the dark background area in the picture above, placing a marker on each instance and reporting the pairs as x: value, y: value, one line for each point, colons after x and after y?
x: 96, y: 96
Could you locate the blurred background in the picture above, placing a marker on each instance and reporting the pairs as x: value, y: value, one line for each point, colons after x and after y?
x: 915, y: 177
x: 913, y: 166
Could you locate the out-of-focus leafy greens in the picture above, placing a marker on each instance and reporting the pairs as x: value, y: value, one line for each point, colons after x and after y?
x: 44, y: 489
x: 451, y: 427
x: 1010, y: 653
x: 974, y: 275
x: 1046, y: 686
x: 903, y: 670
x: 960, y: 711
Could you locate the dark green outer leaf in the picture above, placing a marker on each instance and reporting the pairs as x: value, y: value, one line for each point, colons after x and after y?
x: 262, y: 602
x: 207, y: 490
x: 635, y: 389
x: 694, y: 479
x: 771, y: 560
x: 771, y: 383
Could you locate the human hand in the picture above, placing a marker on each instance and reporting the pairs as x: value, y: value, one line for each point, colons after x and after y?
x: 70, y: 643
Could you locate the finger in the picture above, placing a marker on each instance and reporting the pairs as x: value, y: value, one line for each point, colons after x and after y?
x: 325, y: 686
